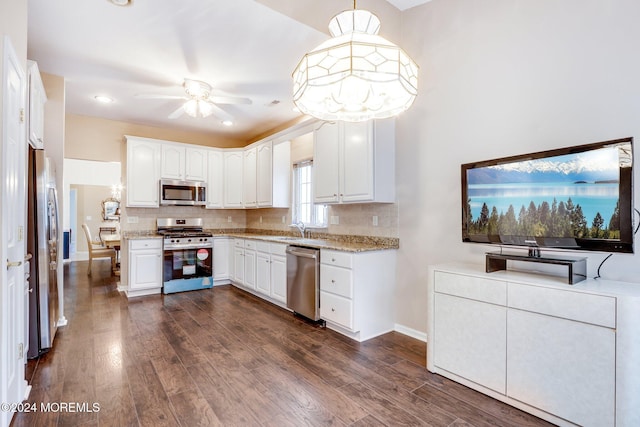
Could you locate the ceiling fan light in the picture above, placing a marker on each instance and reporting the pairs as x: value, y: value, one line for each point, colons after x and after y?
x: 356, y: 75
x: 206, y: 108
x: 191, y: 107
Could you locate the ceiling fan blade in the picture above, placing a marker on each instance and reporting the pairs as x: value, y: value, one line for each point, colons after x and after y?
x: 177, y: 113
x: 153, y: 96
x: 220, y: 113
x: 229, y: 100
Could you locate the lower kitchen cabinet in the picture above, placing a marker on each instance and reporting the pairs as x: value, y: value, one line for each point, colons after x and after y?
x: 563, y: 353
x: 261, y: 268
x: 357, y: 292
x: 278, y: 273
x: 221, y: 260
x: 145, y: 267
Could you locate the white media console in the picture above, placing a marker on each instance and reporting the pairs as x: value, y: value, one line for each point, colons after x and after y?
x: 567, y: 354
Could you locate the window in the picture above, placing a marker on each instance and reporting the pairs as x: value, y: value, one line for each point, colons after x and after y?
x: 304, y: 209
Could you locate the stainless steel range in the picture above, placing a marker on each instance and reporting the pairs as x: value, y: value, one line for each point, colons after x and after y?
x: 188, y: 254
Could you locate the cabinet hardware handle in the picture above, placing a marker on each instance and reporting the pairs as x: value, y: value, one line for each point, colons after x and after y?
x: 333, y: 260
x: 13, y: 263
x: 333, y: 309
x: 333, y: 281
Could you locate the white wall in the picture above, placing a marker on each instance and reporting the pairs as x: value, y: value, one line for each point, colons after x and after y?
x: 498, y: 78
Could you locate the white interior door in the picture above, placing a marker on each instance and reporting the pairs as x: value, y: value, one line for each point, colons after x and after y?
x: 12, y: 194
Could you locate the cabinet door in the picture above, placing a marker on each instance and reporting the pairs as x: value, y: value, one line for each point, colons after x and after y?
x: 263, y: 273
x: 264, y: 174
x: 281, y: 174
x: 220, y: 259
x: 196, y: 164
x: 470, y: 340
x: 357, y: 162
x: 145, y: 269
x: 279, y: 278
x: 37, y: 99
x: 172, y: 162
x: 215, y: 179
x: 249, y: 178
x: 238, y: 265
x: 233, y: 179
x: 564, y: 367
x: 326, y: 168
x: 143, y: 172
x: 250, y: 268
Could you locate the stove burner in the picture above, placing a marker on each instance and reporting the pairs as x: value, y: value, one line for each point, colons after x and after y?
x: 178, y: 234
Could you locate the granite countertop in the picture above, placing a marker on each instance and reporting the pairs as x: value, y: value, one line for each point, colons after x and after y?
x: 340, y: 243
x: 316, y: 240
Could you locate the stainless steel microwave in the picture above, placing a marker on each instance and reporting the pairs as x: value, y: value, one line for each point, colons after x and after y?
x: 183, y: 193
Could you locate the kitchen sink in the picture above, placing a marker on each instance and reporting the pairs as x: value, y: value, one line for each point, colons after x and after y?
x: 288, y: 238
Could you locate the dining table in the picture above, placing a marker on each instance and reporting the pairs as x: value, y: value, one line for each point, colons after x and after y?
x: 113, y: 240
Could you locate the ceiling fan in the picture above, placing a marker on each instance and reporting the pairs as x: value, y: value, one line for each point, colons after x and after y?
x: 199, y: 102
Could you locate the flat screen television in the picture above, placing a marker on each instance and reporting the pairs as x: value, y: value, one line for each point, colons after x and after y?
x: 576, y: 198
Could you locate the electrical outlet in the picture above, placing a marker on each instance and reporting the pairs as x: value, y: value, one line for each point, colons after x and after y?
x: 88, y: 217
x: 229, y: 219
x: 260, y: 219
x: 284, y: 219
x: 335, y: 220
x: 374, y: 221
x: 132, y: 219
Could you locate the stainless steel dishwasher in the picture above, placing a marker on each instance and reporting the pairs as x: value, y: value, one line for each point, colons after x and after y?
x: 303, y: 281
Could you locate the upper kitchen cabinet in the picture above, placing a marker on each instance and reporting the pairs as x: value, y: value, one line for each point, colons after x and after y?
x: 267, y: 170
x: 274, y: 174
x: 249, y: 167
x: 143, y: 172
x: 183, y: 162
x: 354, y: 162
x: 215, y: 179
x: 37, y: 99
x: 233, y: 174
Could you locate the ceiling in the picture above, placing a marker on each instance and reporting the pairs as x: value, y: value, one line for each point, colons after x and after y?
x: 241, y: 47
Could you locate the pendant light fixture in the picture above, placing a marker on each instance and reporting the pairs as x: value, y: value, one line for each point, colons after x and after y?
x: 356, y: 75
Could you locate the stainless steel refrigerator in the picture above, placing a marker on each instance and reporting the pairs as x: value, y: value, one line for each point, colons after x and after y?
x: 42, y: 244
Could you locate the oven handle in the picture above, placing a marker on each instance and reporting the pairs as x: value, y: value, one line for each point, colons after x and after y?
x: 177, y: 247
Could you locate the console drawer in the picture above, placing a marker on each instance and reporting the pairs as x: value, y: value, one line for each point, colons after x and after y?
x: 337, y: 309
x: 336, y: 280
x: 476, y: 288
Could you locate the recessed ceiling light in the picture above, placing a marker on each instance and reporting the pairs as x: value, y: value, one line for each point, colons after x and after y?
x: 227, y: 122
x: 104, y: 99
x: 121, y: 2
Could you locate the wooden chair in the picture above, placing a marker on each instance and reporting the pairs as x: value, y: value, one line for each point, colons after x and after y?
x: 98, y: 251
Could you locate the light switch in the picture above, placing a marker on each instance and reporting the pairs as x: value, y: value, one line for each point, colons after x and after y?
x: 374, y: 221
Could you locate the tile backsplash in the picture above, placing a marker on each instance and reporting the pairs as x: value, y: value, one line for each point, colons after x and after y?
x: 352, y: 219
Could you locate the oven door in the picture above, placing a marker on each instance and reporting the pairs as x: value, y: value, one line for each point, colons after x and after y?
x: 187, y: 263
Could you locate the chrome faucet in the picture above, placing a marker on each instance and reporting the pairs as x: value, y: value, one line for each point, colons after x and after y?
x: 301, y: 227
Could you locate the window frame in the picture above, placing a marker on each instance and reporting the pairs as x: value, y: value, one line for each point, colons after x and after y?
x: 317, y: 212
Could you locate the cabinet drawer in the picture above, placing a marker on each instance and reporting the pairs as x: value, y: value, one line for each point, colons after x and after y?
x: 238, y: 243
x: 278, y: 249
x: 595, y: 309
x: 145, y: 244
x: 336, y: 309
x: 250, y: 244
x: 262, y: 246
x: 486, y: 290
x: 337, y: 258
x: 336, y: 280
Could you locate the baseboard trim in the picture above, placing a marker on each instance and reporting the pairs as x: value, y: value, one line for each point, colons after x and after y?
x: 413, y: 333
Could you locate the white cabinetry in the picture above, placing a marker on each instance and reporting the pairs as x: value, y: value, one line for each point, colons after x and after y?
x: 250, y: 264
x: 278, y: 272
x: 557, y: 351
x: 145, y: 267
x: 356, y: 292
x: 184, y: 162
x: 238, y: 261
x: 37, y: 99
x: 215, y: 179
x: 221, y: 261
x: 249, y: 178
x: 354, y: 162
x: 263, y: 268
x: 233, y: 179
x: 143, y: 172
x: 264, y: 174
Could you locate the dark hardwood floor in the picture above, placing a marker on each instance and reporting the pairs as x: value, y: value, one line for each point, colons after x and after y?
x: 225, y: 357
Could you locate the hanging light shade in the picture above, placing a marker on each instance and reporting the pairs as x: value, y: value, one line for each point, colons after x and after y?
x: 356, y: 75
x: 198, y: 108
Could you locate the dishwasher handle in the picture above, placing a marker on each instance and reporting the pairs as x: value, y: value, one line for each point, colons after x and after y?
x: 303, y: 252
